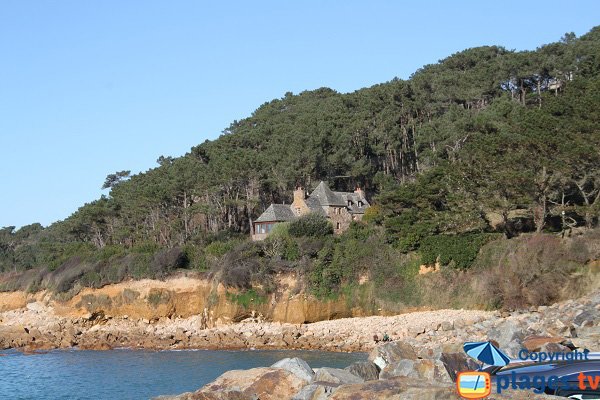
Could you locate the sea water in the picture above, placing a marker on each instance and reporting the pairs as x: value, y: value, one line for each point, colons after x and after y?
x: 135, y: 374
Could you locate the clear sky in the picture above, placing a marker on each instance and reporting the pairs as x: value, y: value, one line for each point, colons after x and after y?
x: 91, y: 87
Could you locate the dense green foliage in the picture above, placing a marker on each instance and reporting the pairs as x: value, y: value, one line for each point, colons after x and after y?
x: 486, y: 140
x: 310, y: 225
x: 458, y: 250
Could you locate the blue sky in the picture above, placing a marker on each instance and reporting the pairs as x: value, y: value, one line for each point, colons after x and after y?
x: 91, y: 87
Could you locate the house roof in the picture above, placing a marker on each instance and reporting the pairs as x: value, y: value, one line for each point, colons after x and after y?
x: 314, y: 206
x: 277, y: 212
x: 354, y: 198
x: 321, y: 197
x: 326, y: 197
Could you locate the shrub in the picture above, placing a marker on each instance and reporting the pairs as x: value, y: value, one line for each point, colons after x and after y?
x: 408, y: 229
x: 359, y: 231
x: 108, y: 252
x: 158, y: 296
x: 530, y: 270
x: 460, y: 250
x: 279, y: 244
x: 196, y: 257
x: 218, y: 248
x: 94, y: 303
x: 312, y: 225
x: 396, y: 280
x: 145, y: 248
x: 374, y: 214
x: 243, y: 265
x: 164, y: 261
x: 247, y: 298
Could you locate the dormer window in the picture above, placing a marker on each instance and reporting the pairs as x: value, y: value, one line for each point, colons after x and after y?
x: 349, y: 203
x: 360, y: 203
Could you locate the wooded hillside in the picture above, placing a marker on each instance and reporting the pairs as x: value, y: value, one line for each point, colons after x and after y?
x: 487, y: 140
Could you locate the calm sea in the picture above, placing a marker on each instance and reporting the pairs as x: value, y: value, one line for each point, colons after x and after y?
x: 134, y: 374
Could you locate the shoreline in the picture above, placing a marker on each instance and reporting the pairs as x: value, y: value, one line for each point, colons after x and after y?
x: 38, y: 327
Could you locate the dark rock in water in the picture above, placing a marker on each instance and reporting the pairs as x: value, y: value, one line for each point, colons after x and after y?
x: 391, y: 353
x: 457, y: 362
x: 297, y: 366
x: 337, y: 376
x: 364, y: 369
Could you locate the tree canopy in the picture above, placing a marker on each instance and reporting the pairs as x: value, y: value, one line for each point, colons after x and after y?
x: 483, y: 132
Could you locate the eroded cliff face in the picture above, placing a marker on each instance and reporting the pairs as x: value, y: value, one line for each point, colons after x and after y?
x: 184, y: 297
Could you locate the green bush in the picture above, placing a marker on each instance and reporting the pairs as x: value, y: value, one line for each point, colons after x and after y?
x: 460, y: 250
x: 312, y: 225
x: 397, y: 280
x: 145, y: 248
x: 279, y: 243
x: 158, y: 296
x: 408, y: 229
x: 247, y: 298
x: 108, y: 252
x: 219, y: 249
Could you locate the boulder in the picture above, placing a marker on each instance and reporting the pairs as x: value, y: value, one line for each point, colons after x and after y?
x: 296, y: 366
x: 535, y: 342
x: 555, y: 348
x: 336, y: 376
x: 256, y: 383
x: 401, y: 388
x: 457, y: 362
x: 432, y: 370
x: 364, y: 369
x: 391, y: 353
x: 587, y: 317
x: 315, y: 391
x: 508, y: 334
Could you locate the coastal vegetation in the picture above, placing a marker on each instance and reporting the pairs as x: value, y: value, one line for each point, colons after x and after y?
x: 486, y: 164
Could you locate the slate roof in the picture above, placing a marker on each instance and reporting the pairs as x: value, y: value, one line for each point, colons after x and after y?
x: 277, y: 212
x: 317, y: 201
x: 326, y: 197
x: 354, y: 199
x: 315, y: 206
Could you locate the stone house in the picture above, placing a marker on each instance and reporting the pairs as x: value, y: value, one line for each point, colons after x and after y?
x: 340, y: 208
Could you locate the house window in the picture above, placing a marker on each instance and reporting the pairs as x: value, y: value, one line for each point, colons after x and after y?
x: 350, y: 203
x: 337, y: 226
x: 360, y: 203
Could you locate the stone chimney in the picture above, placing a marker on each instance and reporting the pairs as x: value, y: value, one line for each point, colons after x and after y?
x: 359, y: 192
x: 299, y: 194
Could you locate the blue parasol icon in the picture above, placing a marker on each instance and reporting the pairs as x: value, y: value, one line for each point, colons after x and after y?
x: 487, y: 353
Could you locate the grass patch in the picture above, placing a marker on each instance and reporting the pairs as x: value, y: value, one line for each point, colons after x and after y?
x: 247, y: 298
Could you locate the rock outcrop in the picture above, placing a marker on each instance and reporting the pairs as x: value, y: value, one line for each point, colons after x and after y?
x: 252, y: 384
x: 425, y: 363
